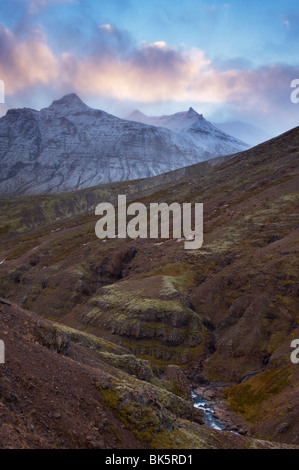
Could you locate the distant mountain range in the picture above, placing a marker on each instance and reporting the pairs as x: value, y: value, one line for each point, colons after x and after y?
x: 178, y: 122
x: 184, y: 121
x: 70, y: 146
x: 248, y: 133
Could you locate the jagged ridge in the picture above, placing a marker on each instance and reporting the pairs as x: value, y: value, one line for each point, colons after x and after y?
x: 70, y: 146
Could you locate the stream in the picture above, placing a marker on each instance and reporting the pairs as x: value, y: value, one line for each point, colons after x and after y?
x: 210, y: 419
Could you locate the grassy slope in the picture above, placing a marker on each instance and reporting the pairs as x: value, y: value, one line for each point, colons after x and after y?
x: 236, y: 297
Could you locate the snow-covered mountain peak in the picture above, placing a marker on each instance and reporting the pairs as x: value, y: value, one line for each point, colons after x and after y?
x: 136, y: 116
x: 71, y: 146
x: 192, y: 113
x: 70, y: 102
x: 71, y: 99
x: 177, y: 122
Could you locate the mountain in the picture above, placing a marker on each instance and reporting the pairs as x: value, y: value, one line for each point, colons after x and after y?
x: 143, y: 322
x: 193, y: 125
x: 253, y: 135
x: 176, y: 122
x: 70, y: 146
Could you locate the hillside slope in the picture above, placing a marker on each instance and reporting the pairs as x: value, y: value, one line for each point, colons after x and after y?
x: 224, y: 315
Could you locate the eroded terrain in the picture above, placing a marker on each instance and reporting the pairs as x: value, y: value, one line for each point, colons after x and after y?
x: 120, y: 331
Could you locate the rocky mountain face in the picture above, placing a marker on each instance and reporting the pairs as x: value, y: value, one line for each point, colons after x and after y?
x: 195, y: 124
x: 136, y: 321
x: 177, y: 122
x: 69, y: 146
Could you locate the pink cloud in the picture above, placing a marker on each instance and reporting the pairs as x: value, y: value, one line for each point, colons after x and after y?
x: 153, y: 72
x: 25, y: 63
x: 146, y: 74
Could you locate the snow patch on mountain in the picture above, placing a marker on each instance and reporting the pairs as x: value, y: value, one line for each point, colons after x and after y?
x: 70, y: 146
x: 193, y: 125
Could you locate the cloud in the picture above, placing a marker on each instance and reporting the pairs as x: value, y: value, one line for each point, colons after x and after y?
x: 36, y: 5
x: 25, y: 63
x: 156, y: 72
x: 112, y: 67
x: 107, y: 27
x: 152, y: 72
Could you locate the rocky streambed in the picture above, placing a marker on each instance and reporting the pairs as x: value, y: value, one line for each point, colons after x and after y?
x: 209, y: 413
x: 216, y: 412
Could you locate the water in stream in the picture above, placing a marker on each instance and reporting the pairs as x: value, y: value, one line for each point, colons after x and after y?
x: 210, y: 419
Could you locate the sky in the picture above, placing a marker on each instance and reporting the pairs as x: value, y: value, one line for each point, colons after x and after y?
x: 230, y: 60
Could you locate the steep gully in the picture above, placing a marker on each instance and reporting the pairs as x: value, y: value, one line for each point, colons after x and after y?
x: 116, y: 271
x: 114, y: 268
